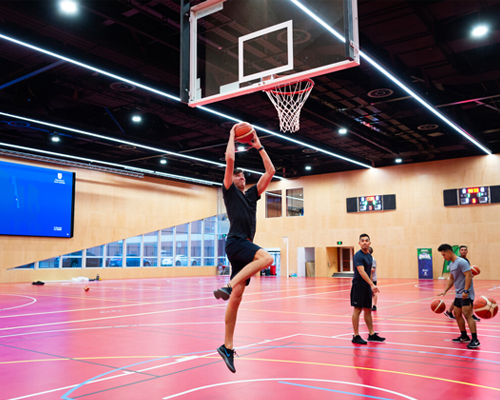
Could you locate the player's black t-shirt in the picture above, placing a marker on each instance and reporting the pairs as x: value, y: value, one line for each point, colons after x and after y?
x: 241, y: 211
x: 366, y: 260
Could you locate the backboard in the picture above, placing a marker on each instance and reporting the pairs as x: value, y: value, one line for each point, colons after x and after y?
x: 238, y: 47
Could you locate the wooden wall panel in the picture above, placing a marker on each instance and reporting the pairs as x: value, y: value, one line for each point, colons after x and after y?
x: 108, y: 208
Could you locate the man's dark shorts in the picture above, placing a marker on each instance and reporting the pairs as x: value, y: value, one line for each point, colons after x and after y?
x: 361, y: 295
x: 459, y: 303
x: 240, y: 252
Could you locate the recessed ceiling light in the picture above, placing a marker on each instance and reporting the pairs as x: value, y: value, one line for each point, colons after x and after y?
x: 342, y: 131
x: 480, y: 30
x: 308, y: 167
x: 399, y: 160
x: 68, y: 7
x: 163, y: 160
x: 55, y: 139
x: 136, y: 118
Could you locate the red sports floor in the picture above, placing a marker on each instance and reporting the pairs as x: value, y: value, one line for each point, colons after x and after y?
x: 156, y: 339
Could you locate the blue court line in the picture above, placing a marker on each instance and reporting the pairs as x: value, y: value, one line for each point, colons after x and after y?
x: 336, y: 391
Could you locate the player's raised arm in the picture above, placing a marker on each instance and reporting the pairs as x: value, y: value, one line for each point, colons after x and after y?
x: 265, y: 179
x: 230, y: 157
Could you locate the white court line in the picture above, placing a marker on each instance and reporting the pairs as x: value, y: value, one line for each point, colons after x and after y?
x: 22, y: 305
x: 157, y: 302
x: 287, y: 379
x: 142, y: 370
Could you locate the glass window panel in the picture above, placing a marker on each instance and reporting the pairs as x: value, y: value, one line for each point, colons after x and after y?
x: 93, y: 257
x: 49, y: 263
x: 181, y: 245
x: 167, y: 247
x: 32, y: 265
x: 133, y: 246
x: 222, y: 231
x: 209, y: 235
x: 273, y: 204
x: 196, y: 242
x: 114, y: 254
x: 150, y: 249
x: 72, y: 260
x: 295, y: 202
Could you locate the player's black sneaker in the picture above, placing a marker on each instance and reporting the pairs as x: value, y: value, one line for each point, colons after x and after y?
x: 358, y: 340
x: 223, y: 293
x: 475, y: 318
x: 474, y: 344
x: 228, y: 357
x: 449, y: 315
x: 461, y: 339
x: 375, y: 338
x: 374, y: 308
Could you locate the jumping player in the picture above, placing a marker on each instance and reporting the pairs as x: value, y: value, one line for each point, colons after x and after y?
x: 461, y: 277
x: 362, y: 291
x: 245, y: 257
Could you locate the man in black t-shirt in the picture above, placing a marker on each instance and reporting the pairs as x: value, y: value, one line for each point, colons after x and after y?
x: 246, y: 257
x: 362, y: 291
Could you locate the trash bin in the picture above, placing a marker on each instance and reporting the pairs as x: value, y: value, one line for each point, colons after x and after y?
x: 273, y: 269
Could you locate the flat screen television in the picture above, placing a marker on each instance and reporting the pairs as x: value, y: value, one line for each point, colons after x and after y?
x: 36, y: 201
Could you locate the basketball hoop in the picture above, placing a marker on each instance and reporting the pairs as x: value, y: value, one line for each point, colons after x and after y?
x: 288, y: 100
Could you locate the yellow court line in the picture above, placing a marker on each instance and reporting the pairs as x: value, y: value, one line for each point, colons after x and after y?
x: 366, y: 369
x: 84, y: 358
x: 72, y: 297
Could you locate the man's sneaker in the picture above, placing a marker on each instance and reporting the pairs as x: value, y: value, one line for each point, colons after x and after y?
x: 474, y: 344
x: 461, y: 339
x: 358, y: 340
x: 449, y: 315
x: 223, y: 293
x: 375, y: 338
x: 374, y: 308
x: 475, y: 318
x: 228, y: 357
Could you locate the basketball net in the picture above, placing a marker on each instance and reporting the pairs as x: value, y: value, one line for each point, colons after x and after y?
x: 288, y: 100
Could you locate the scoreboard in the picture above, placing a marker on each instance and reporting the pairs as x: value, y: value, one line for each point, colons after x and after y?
x: 474, y: 195
x: 378, y: 202
x: 370, y: 203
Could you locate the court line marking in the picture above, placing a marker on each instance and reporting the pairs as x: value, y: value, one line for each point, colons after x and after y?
x: 285, y: 379
x: 19, y: 295
x: 165, y: 311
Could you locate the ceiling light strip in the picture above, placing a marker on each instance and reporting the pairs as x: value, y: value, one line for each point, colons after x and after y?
x: 170, y: 97
x: 127, y: 167
x: 385, y: 72
x: 161, y: 151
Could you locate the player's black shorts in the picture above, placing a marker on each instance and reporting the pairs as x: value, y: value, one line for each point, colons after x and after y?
x: 240, y: 252
x: 361, y: 295
x: 463, y: 303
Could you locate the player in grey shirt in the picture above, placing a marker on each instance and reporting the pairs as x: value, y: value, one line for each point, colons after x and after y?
x: 461, y: 277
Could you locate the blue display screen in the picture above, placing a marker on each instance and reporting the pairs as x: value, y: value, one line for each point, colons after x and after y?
x: 36, y: 201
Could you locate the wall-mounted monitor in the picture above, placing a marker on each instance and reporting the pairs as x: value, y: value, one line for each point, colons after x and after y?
x: 36, y: 201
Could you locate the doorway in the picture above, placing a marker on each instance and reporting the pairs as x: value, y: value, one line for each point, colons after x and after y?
x: 345, y: 259
x: 306, y: 262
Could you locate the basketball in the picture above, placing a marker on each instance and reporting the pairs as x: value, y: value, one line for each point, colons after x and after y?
x: 485, y: 308
x: 475, y: 270
x: 86, y: 288
x: 243, y: 132
x: 438, y: 306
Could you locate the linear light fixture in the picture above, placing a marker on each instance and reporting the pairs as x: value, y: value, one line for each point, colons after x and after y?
x: 385, y: 72
x: 164, y: 94
x: 156, y: 149
x: 127, y: 167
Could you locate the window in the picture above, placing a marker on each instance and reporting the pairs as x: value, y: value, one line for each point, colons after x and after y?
x: 93, y: 257
x: 114, y: 254
x: 151, y: 249
x: 209, y: 241
x: 71, y: 260
x: 295, y: 202
x: 181, y: 245
x: 167, y: 247
x: 49, y: 263
x: 133, y: 253
x: 273, y: 204
x: 196, y: 242
x: 222, y: 231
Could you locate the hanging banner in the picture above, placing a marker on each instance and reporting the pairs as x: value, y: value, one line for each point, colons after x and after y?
x: 424, y: 263
x: 446, y: 265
